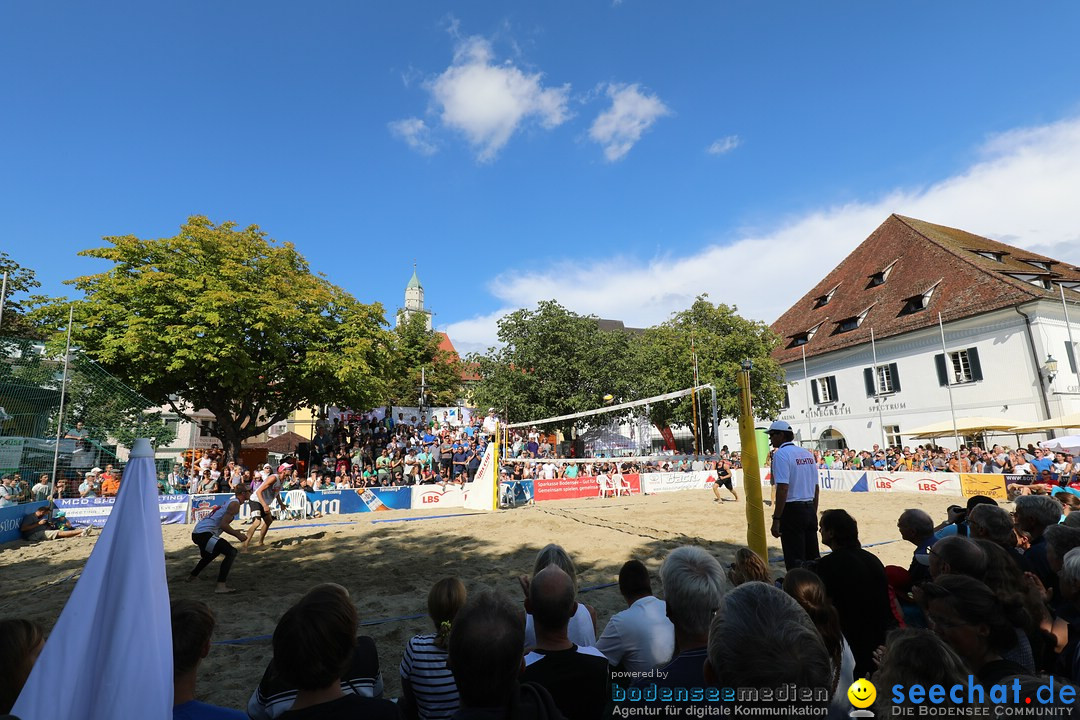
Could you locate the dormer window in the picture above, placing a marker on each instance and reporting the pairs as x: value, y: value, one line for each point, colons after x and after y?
x: 1038, y: 280
x: 824, y: 299
x: 880, y: 277
x: 991, y: 255
x: 804, y: 337
x: 915, y: 303
x: 851, y: 323
x: 1041, y: 264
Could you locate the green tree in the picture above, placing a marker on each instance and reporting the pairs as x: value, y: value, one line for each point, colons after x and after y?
x: 417, y: 349
x: 225, y: 319
x: 552, y: 362
x: 14, y: 323
x: 722, y: 340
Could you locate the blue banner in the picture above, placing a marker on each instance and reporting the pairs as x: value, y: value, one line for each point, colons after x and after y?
x: 95, y: 511
x: 324, y: 502
x: 11, y: 518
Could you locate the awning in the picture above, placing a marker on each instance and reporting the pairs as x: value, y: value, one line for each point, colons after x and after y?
x: 1065, y: 422
x: 964, y: 426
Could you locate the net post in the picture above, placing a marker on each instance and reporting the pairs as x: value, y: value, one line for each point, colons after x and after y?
x: 755, y: 511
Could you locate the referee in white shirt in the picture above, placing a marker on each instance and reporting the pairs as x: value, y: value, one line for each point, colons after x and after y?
x: 794, y: 519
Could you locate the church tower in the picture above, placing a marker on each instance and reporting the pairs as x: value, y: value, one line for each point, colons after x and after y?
x: 414, y: 301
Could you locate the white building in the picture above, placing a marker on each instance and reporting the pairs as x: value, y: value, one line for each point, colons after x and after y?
x: 1003, y: 313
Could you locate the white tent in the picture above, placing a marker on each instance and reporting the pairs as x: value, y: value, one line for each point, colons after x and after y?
x: 1068, y: 444
x: 110, y: 653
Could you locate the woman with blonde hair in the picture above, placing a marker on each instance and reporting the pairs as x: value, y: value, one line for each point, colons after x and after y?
x: 748, y: 567
x: 582, y: 627
x: 428, y: 689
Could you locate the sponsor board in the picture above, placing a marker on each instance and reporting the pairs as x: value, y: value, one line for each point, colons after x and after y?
x: 992, y: 486
x: 932, y: 483
x: 576, y: 488
x: 652, y: 483
x: 11, y: 518
x: 427, y: 496
x: 96, y: 511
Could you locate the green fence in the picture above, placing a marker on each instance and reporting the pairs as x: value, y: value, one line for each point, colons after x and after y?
x: 67, y: 415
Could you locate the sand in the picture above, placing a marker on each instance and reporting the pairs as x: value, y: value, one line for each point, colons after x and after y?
x: 389, y: 567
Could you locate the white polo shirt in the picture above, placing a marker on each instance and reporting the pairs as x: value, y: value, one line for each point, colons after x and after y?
x: 795, y: 467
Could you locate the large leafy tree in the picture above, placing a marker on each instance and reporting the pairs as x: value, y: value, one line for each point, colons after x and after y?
x: 552, y: 362
x: 20, y: 280
x: 223, y: 318
x: 418, y: 357
x: 721, y: 340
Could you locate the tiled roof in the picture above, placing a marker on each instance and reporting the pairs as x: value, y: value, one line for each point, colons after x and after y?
x: 882, y: 283
x: 468, y: 370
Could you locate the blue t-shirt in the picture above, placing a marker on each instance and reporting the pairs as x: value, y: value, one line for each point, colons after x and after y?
x: 195, y: 710
x: 1043, y: 463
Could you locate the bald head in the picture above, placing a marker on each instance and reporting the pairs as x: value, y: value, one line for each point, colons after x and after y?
x: 552, y: 598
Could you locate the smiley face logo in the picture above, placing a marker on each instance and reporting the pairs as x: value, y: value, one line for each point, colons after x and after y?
x: 862, y: 693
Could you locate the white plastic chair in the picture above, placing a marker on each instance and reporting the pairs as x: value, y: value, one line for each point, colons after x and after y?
x: 297, y: 503
x: 606, y: 485
x: 619, y: 484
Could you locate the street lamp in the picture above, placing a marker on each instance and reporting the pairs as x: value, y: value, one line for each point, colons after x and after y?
x: 1050, y: 367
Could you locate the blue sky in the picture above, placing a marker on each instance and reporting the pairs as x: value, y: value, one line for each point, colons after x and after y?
x: 621, y: 157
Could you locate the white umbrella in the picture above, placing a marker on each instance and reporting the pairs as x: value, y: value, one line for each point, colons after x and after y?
x: 1069, y: 444
x: 1058, y: 423
x: 116, y: 627
x: 964, y: 426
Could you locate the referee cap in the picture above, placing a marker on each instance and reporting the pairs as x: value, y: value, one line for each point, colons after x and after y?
x: 780, y: 426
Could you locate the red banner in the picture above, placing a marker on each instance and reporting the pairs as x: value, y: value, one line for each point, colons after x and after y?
x: 669, y: 437
x: 575, y: 488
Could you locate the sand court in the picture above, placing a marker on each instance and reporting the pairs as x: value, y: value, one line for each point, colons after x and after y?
x: 388, y: 567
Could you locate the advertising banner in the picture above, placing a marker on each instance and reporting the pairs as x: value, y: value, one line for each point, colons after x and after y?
x: 430, y: 496
x: 11, y: 518
x: 95, y: 511
x: 932, y: 483
x: 992, y: 486
x: 843, y: 480
x: 652, y: 483
x: 575, y: 488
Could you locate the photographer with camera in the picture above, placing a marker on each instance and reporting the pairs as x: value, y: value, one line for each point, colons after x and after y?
x: 39, y: 525
x: 956, y: 520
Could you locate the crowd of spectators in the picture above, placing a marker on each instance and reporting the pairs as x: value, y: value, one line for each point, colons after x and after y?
x: 998, y: 459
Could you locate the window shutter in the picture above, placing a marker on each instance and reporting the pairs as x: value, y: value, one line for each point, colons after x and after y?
x: 868, y: 377
x: 832, y: 387
x: 1070, y: 352
x: 942, y: 372
x: 973, y: 363
x: 813, y: 386
x: 895, y: 377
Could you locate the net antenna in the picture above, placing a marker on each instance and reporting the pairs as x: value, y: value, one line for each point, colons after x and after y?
x: 630, y: 438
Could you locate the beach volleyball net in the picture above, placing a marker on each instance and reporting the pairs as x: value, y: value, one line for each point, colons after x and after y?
x: 643, y: 429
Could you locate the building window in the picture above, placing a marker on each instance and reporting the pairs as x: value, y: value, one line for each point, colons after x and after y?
x: 848, y: 324
x: 958, y: 367
x: 824, y: 390
x: 173, y: 425
x: 892, y: 436
x: 804, y: 337
x: 1070, y: 353
x: 915, y: 303
x: 785, y: 404
x: 824, y: 299
x: 880, y: 277
x: 1039, y: 264
x: 990, y: 255
x: 882, y: 380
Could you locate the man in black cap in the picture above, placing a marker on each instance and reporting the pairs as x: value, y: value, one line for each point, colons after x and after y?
x: 794, y: 518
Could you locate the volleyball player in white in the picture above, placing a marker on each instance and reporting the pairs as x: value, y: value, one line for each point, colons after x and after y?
x: 264, y: 495
x: 207, y: 536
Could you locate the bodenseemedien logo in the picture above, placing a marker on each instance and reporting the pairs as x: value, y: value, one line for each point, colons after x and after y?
x: 861, y: 695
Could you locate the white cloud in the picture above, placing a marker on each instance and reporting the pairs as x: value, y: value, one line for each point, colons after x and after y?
x: 488, y: 103
x: 1022, y: 190
x: 632, y: 112
x: 415, y: 133
x: 724, y: 145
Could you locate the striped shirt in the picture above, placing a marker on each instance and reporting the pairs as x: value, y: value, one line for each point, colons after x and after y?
x: 424, y: 666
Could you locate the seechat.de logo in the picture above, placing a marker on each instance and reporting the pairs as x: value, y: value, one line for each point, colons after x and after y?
x: 861, y: 695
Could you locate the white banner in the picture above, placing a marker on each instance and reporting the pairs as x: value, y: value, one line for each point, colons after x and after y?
x: 932, y: 483
x: 480, y: 494
x: 672, y: 481
x: 425, y: 496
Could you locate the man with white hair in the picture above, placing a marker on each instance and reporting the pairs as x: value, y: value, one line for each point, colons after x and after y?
x: 694, y: 586
x: 762, y: 638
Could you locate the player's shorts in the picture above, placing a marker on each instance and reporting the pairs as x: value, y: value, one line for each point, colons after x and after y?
x: 259, y: 511
x: 725, y: 483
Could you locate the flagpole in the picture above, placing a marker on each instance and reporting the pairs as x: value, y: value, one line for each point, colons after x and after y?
x: 3, y: 299
x: 1072, y: 345
x: 806, y: 388
x: 948, y: 384
x: 877, y: 400
x: 693, y: 393
x: 63, y: 396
